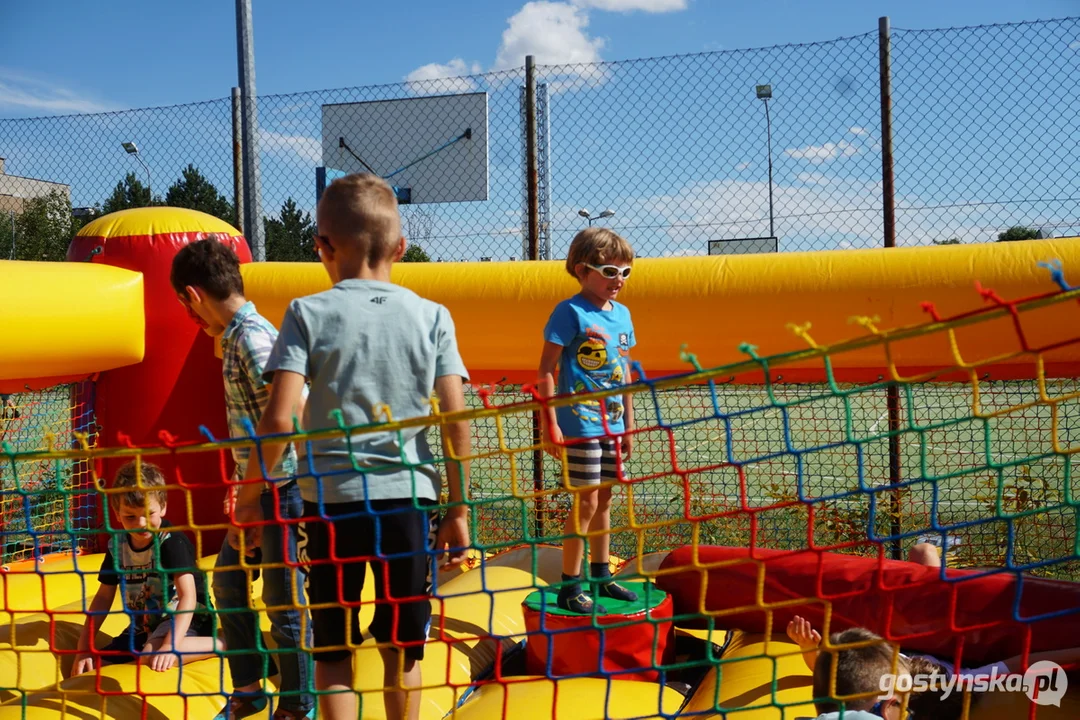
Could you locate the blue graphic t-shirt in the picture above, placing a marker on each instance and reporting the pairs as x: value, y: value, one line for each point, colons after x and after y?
x: 596, y: 344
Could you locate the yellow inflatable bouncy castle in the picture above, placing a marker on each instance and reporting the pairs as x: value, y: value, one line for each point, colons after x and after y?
x: 803, y: 421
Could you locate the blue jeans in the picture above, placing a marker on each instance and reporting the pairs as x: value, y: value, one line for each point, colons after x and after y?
x: 283, y: 590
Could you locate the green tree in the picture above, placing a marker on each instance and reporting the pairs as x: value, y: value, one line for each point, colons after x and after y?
x: 43, y: 229
x: 289, y: 236
x: 194, y: 191
x: 415, y: 253
x: 950, y: 241
x: 128, y: 193
x: 1018, y: 232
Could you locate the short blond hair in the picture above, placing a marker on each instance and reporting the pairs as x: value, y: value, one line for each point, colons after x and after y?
x: 140, y: 482
x: 597, y: 246
x: 361, y: 209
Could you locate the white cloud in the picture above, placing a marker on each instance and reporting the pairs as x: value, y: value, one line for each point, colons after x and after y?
x: 856, y: 130
x: 829, y: 212
x: 307, y: 149
x: 744, y: 166
x: 814, y: 178
x: 553, y: 32
x: 817, y: 154
x: 1075, y: 45
x: 20, y: 92
x: 649, y: 6
x: 438, y: 78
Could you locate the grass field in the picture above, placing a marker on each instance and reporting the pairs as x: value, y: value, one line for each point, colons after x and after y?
x: 732, y: 465
x: 976, y: 480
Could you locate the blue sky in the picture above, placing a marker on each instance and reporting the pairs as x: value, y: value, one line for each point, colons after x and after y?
x: 73, y: 56
x: 985, y: 122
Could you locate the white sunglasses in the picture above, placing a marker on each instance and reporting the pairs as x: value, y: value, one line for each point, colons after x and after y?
x: 610, y: 271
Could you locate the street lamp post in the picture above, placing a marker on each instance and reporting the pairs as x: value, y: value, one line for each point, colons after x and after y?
x: 603, y: 214
x: 131, y: 149
x: 764, y: 93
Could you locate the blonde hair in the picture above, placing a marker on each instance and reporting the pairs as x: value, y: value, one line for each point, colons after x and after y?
x: 597, y: 246
x: 361, y: 209
x: 141, y: 482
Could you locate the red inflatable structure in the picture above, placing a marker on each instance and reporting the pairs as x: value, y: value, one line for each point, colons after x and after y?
x: 975, y: 615
x: 177, y: 387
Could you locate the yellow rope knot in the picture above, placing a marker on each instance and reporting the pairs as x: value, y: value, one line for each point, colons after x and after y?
x: 803, y: 332
x: 868, y: 322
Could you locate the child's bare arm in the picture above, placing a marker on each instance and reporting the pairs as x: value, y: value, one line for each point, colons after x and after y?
x: 628, y: 416
x: 802, y: 633
x: 1066, y: 658
x: 549, y: 362
x: 186, y: 602
x: 164, y: 656
x: 286, y: 399
x: 453, y: 532
x: 102, y: 603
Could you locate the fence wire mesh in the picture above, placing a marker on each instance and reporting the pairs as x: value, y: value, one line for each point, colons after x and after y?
x: 985, y: 121
x: 46, y: 505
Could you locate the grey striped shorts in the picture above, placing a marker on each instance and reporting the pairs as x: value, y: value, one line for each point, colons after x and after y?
x: 591, y: 462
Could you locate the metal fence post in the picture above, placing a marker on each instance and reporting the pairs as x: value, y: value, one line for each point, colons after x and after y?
x: 532, y: 210
x: 238, y: 160
x: 249, y: 116
x: 888, y: 209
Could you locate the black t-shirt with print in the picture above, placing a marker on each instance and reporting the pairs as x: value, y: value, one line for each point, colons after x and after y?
x: 145, y: 574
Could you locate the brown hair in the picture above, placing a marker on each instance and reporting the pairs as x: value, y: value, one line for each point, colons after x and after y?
x: 140, y: 481
x: 363, y: 209
x: 858, y: 670
x: 208, y: 264
x: 930, y: 703
x: 597, y: 246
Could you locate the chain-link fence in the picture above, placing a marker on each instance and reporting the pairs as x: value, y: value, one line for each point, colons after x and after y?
x: 679, y: 148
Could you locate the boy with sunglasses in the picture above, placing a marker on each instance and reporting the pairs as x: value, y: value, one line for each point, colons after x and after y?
x: 588, y: 339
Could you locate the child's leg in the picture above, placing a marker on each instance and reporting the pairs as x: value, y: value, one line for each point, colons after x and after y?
x: 239, y: 626
x: 334, y: 679
x: 187, y: 649
x: 578, y: 522
x: 401, y: 684
x: 600, y: 544
x: 583, y: 469
x: 283, y: 595
x: 330, y: 584
x: 401, y: 623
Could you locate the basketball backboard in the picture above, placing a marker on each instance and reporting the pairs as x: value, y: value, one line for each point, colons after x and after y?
x: 434, y: 149
x: 743, y: 246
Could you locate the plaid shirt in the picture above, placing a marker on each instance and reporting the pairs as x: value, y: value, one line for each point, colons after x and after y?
x: 245, y: 348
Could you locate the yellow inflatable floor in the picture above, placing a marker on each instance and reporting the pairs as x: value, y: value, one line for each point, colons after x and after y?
x: 476, y: 618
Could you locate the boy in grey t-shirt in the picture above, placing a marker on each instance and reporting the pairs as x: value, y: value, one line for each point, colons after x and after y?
x: 364, y: 344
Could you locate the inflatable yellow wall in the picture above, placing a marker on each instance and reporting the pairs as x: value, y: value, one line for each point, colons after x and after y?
x: 715, y: 303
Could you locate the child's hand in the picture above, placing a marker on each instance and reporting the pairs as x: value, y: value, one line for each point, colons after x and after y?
x: 802, y: 633
x: 230, y: 500
x: 452, y: 540
x: 245, y: 518
x: 627, y: 444
x: 162, y: 661
x: 84, y: 662
x: 553, y: 440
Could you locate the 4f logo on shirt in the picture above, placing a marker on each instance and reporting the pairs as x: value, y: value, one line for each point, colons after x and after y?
x: 379, y: 300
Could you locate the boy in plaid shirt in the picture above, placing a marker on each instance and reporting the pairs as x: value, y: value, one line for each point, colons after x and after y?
x: 206, y: 278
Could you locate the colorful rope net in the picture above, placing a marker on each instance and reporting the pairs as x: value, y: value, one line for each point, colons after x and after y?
x: 743, y: 506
